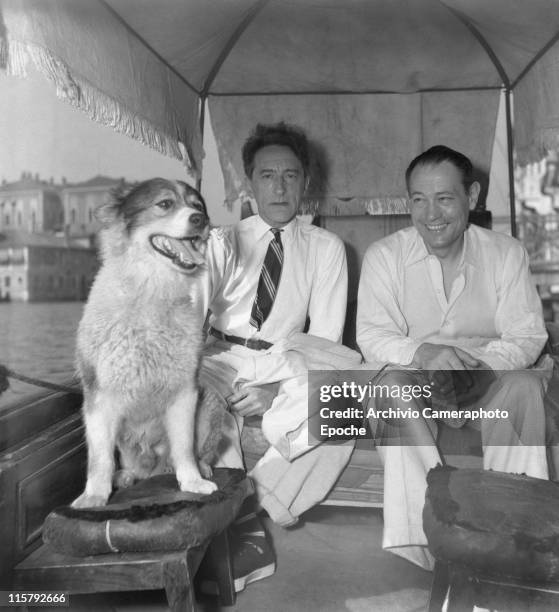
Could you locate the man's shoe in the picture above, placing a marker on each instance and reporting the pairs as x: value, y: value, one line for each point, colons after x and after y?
x: 252, y: 559
x: 249, y: 524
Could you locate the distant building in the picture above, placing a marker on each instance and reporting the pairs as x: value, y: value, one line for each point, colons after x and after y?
x: 36, y: 268
x: 31, y: 205
x: 537, y: 192
x: 79, y: 202
x: 47, y: 237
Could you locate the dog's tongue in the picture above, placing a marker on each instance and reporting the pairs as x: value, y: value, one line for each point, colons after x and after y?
x: 193, y: 250
x: 186, y: 252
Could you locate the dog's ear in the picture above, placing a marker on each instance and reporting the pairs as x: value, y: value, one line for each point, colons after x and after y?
x: 108, y: 212
x: 189, y: 189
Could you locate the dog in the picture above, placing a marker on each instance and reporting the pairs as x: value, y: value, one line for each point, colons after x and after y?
x: 139, y: 343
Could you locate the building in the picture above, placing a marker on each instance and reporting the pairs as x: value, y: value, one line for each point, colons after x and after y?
x: 37, y: 206
x: 80, y: 200
x: 37, y: 268
x: 31, y: 205
x: 47, y: 237
x: 537, y: 191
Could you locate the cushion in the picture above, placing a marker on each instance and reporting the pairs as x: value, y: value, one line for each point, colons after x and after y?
x: 495, y: 523
x: 153, y: 515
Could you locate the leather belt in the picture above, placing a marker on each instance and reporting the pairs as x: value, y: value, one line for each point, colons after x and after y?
x: 252, y: 343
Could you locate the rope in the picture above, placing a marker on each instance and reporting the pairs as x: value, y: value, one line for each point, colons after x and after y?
x: 6, y: 373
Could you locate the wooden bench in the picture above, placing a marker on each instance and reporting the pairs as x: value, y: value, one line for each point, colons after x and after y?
x: 45, y: 570
x: 362, y: 482
x: 42, y: 466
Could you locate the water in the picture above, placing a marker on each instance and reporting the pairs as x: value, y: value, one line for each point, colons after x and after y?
x: 38, y: 340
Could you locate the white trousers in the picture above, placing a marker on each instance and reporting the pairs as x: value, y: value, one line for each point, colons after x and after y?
x: 293, y: 475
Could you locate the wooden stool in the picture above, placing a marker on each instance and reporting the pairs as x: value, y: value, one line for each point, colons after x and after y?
x: 173, y: 571
x: 153, y: 517
x: 495, y: 537
x: 47, y: 570
x: 467, y: 588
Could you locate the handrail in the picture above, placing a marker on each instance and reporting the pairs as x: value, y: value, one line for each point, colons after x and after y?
x: 6, y: 373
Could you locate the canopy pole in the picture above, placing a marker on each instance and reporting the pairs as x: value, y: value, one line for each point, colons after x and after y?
x: 202, y: 122
x: 510, y: 158
x: 145, y: 43
x: 224, y: 54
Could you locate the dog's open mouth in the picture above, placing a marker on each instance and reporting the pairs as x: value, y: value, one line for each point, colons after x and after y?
x: 186, y: 253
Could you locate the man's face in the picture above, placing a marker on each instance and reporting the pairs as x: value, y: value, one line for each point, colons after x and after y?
x: 439, y: 206
x: 278, y: 183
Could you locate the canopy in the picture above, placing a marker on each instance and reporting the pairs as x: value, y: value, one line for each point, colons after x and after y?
x: 372, y: 81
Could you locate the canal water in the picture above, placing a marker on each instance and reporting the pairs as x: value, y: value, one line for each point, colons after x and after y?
x: 38, y: 340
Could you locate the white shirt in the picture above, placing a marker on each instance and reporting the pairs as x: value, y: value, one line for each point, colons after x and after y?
x: 493, y: 311
x: 313, y: 280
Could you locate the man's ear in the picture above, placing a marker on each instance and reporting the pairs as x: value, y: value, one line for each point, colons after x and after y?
x: 473, y: 194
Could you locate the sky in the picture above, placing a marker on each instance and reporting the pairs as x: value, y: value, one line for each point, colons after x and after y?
x: 41, y: 134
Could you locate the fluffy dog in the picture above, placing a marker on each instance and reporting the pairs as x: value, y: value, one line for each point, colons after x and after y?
x: 139, y: 342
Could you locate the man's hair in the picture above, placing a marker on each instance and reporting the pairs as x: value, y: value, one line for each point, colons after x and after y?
x: 280, y: 134
x: 437, y: 155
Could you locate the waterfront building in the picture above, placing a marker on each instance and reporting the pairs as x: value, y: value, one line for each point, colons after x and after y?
x: 79, y: 201
x: 30, y: 205
x: 537, y: 191
x: 528, y: 188
x: 39, y: 267
x: 47, y: 237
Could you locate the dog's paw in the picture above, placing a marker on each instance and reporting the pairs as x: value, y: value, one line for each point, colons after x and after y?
x: 205, y: 469
x: 89, y: 501
x: 198, y: 485
x: 124, y: 479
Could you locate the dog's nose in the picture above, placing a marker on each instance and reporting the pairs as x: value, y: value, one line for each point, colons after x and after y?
x: 198, y: 220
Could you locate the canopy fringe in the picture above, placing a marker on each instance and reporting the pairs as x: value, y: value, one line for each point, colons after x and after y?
x: 14, y: 58
x: 363, y: 205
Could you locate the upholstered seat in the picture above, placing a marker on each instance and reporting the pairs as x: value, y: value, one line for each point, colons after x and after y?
x: 491, y: 528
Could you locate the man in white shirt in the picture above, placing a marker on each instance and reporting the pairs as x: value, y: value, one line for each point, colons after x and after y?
x: 268, y: 274
x: 447, y: 296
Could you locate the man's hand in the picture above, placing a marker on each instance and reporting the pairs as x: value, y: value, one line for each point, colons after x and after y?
x: 442, y: 357
x: 457, y: 378
x: 251, y: 401
x: 439, y: 361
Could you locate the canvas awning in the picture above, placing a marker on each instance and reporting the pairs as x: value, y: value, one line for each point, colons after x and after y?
x: 101, y: 67
x: 374, y: 81
x: 364, y: 142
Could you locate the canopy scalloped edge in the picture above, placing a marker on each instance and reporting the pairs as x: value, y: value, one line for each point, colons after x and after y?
x: 333, y: 207
x: 14, y: 57
x: 380, y: 205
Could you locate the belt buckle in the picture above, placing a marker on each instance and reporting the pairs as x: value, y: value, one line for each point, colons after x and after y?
x: 254, y: 344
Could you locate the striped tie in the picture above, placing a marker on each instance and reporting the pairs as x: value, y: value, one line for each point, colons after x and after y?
x: 269, y: 281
